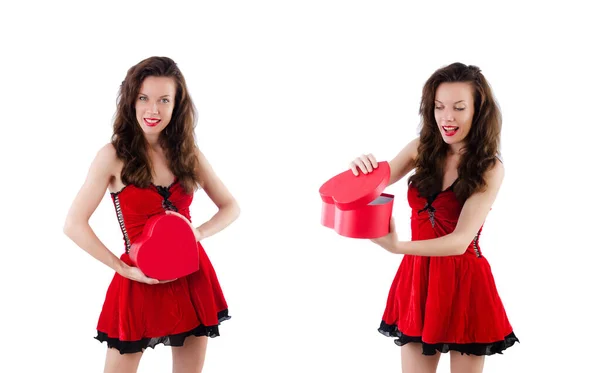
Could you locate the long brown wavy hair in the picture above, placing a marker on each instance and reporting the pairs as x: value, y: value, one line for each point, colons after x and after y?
x: 482, y: 142
x: 177, y: 139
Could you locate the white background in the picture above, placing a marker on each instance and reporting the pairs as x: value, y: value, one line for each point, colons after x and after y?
x: 289, y: 92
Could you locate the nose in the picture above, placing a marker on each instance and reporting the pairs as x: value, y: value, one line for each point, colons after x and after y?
x: 154, y: 108
x: 447, y: 116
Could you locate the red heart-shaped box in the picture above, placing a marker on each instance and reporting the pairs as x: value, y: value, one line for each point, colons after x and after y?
x: 167, y: 248
x: 354, y: 206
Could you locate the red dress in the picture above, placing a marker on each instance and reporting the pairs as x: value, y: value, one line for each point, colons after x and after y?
x: 137, y: 315
x: 448, y: 302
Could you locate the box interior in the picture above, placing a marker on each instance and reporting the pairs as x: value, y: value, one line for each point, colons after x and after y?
x: 381, y: 200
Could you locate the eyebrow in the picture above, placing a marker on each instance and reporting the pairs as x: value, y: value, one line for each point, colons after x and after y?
x: 455, y: 102
x: 160, y: 96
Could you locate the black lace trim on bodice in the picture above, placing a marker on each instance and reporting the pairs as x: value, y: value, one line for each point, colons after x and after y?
x: 122, y: 222
x: 430, y: 210
x: 165, y: 192
x: 476, y: 245
x: 429, y: 205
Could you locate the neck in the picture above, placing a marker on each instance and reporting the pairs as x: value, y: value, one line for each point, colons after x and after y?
x: 152, y: 142
x: 456, y: 149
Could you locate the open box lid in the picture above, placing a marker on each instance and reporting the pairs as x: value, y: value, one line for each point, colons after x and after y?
x: 349, y: 192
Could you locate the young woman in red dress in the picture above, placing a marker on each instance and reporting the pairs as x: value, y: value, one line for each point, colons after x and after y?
x: 443, y: 298
x: 153, y: 166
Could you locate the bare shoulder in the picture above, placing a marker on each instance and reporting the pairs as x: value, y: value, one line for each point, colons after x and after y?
x: 404, y: 161
x: 205, y: 170
x: 410, y: 150
x: 204, y: 165
x: 199, y: 153
x: 413, y: 147
x: 212, y: 184
x: 107, y: 154
x: 495, y: 174
x: 106, y: 161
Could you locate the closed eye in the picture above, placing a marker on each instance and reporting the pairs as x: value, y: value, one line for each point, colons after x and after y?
x: 458, y: 109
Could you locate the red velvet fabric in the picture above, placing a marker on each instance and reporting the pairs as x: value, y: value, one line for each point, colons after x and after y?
x: 134, y: 311
x: 451, y: 299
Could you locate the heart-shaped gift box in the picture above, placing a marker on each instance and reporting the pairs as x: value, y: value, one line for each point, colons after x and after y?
x: 354, y: 206
x: 167, y: 248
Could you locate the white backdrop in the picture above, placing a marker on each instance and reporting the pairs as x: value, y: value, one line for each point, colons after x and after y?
x: 288, y: 93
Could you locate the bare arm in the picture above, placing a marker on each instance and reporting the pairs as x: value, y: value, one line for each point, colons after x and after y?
x: 401, y: 165
x: 404, y: 162
x: 472, y: 217
x: 88, y: 198
x: 218, y: 193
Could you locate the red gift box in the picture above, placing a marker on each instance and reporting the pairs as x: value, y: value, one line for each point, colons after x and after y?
x: 354, y: 206
x: 167, y: 249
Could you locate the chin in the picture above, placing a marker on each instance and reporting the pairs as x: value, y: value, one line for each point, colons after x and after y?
x: 450, y: 140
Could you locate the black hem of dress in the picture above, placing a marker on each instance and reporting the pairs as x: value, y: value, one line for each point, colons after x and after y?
x: 477, y: 349
x: 174, y: 340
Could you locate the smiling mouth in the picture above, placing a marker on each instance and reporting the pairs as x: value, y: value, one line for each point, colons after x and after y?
x: 151, y: 122
x: 450, y: 129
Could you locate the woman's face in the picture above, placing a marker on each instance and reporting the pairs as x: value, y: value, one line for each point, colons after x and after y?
x: 454, y: 111
x: 154, y: 104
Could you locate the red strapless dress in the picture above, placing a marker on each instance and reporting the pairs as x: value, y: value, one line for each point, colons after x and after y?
x: 136, y: 316
x: 445, y: 303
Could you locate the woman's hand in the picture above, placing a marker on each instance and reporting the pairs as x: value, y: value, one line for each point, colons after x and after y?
x: 389, y: 241
x: 366, y: 163
x: 135, y: 274
x: 196, y: 232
